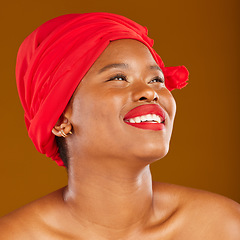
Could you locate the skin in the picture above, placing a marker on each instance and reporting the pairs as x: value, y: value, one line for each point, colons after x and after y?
x: 110, y: 193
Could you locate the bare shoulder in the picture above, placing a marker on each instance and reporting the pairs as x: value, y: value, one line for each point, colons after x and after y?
x: 209, y: 215
x: 13, y: 225
x: 29, y: 221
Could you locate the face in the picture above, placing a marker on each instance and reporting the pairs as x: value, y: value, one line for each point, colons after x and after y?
x: 124, y: 85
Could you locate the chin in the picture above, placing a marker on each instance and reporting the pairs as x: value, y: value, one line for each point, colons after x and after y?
x: 152, y: 152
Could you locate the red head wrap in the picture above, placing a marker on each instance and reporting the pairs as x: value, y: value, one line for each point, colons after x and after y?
x: 54, y: 58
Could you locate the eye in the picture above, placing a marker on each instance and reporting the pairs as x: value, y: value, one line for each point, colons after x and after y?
x: 157, y: 79
x: 118, y: 77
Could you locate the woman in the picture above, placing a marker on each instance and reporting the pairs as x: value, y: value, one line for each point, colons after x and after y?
x: 93, y: 82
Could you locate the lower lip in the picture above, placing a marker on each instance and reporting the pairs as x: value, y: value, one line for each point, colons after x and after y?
x: 148, y: 125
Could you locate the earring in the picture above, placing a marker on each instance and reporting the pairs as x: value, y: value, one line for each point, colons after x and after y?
x: 64, y: 134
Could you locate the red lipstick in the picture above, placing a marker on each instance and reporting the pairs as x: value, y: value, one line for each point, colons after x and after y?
x: 136, y: 117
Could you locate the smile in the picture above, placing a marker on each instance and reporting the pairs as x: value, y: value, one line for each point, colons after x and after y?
x: 147, y: 116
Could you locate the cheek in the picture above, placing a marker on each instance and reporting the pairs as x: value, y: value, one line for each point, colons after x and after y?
x: 172, y: 107
x: 168, y: 102
x: 82, y: 112
x: 90, y: 111
x: 97, y: 124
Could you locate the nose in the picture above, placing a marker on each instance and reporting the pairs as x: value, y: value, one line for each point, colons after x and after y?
x: 144, y: 93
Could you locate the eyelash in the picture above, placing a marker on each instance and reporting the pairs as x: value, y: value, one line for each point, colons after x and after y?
x: 124, y: 78
x: 159, y: 79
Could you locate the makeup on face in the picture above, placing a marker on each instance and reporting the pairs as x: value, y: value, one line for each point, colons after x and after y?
x: 147, y: 116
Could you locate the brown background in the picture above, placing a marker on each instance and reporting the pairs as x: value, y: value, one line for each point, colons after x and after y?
x: 203, y: 35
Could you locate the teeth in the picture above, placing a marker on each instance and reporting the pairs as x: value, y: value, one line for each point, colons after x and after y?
x: 144, y: 118
x: 149, y: 117
x: 137, y: 119
x: 131, y: 120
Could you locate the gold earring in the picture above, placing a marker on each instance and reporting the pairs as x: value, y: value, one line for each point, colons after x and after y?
x: 64, y: 134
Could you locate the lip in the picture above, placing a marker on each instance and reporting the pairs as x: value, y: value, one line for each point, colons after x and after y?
x: 144, y: 110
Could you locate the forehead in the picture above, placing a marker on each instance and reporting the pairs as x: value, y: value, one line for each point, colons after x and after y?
x: 126, y: 51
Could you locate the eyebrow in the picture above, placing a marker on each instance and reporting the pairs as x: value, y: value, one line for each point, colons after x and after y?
x: 125, y: 66
x: 114, y: 65
x: 155, y: 67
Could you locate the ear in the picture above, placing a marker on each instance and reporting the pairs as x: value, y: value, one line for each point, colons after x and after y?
x: 63, y: 127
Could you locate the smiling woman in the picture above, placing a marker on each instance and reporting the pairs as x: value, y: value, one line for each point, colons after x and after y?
x: 92, y: 84
x: 103, y: 103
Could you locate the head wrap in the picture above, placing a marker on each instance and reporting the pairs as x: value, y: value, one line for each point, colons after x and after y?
x: 54, y: 58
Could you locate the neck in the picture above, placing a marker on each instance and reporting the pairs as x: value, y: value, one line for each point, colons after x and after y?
x: 109, y: 198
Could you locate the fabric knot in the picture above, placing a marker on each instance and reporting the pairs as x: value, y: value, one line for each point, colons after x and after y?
x: 175, y: 77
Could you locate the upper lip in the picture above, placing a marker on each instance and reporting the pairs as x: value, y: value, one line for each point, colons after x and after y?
x: 144, y: 110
